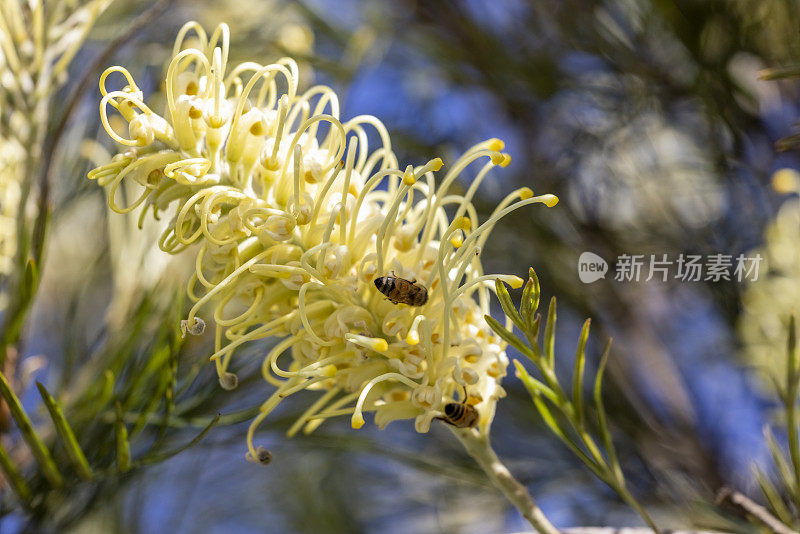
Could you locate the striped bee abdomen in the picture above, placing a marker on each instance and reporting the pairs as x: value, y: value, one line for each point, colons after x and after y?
x: 385, y: 284
x: 460, y: 414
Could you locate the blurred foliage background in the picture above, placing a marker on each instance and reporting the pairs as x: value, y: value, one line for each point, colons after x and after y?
x: 647, y: 118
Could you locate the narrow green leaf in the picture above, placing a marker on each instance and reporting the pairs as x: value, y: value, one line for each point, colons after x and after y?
x: 525, y: 302
x: 787, y: 143
x: 146, y: 413
x: 144, y: 375
x: 534, y: 386
x: 535, y: 326
x: 171, y: 393
x: 510, y: 338
x: 792, y: 71
x: 602, y: 420
x: 157, y: 374
x: 14, y: 477
x: 577, y: 375
x: 14, y: 318
x: 550, y: 334
x: 530, y: 299
x: 107, y: 391
x: 40, y: 452
x: 548, y: 418
x: 65, y: 433
x: 31, y: 277
x: 792, y: 371
x: 778, y: 386
x: 780, y: 461
x: 777, y: 506
x: 553, y: 425
x: 790, y: 405
x: 167, y: 455
x: 123, y: 445
x: 508, y: 306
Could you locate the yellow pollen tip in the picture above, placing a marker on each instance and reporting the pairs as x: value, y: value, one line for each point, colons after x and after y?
x: 497, y: 158
x: 195, y: 113
x: 436, y: 164
x: 408, y: 176
x: 496, y: 144
x: 457, y: 240
x: 525, y: 193
x: 474, y: 398
x: 380, y: 345
x: 329, y: 371
x: 412, y: 338
x: 463, y: 223
x: 191, y: 89
x: 506, y: 160
x: 357, y: 421
x: 786, y: 181
x: 550, y: 200
x: 257, y: 128
x: 515, y: 282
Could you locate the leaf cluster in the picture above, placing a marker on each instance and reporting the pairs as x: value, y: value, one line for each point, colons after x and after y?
x: 784, y: 500
x: 117, y: 416
x: 565, y: 415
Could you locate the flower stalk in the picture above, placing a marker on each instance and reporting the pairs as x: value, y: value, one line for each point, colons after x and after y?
x: 480, y: 449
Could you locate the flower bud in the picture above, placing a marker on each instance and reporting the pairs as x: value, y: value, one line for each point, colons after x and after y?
x: 195, y: 328
x: 228, y: 381
x: 263, y: 456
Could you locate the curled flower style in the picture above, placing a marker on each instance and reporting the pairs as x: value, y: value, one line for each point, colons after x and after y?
x: 293, y: 214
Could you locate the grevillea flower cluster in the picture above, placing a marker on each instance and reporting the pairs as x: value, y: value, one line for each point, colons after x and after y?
x: 292, y: 214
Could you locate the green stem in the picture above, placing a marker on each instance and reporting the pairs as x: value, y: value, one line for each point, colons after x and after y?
x: 633, y: 503
x: 794, y: 445
x: 480, y: 449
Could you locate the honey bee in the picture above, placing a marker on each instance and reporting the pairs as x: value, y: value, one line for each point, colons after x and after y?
x: 402, y: 291
x: 460, y: 415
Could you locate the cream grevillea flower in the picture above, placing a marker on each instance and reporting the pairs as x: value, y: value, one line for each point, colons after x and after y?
x: 12, y: 155
x: 292, y: 214
x: 37, y: 44
x: 770, y: 300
